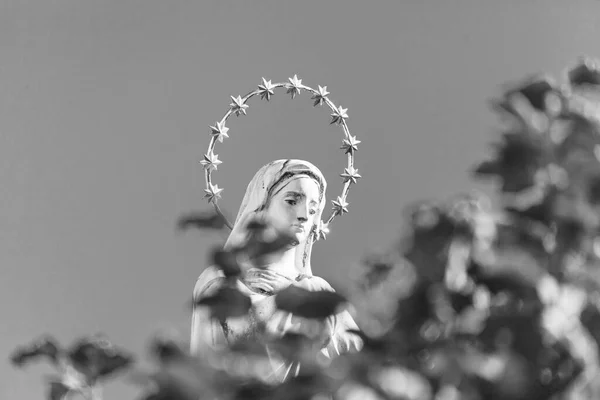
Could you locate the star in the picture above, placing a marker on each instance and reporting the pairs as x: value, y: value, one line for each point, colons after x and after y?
x: 238, y: 106
x: 266, y: 89
x: 339, y: 115
x: 319, y: 98
x: 220, y: 131
x: 294, y: 86
x: 350, y: 174
x: 340, y: 206
x: 213, y: 193
x: 211, y: 161
x: 350, y: 144
x: 323, y: 231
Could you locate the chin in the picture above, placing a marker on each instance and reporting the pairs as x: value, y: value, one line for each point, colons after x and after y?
x: 299, y: 238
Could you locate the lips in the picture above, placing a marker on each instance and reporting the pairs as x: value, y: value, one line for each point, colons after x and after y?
x: 298, y: 228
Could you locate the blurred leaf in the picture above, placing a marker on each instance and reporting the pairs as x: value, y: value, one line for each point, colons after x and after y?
x: 302, y: 387
x: 460, y: 301
x: 169, y: 386
x: 44, y: 347
x: 416, y: 308
x: 428, y: 247
x: 514, y: 380
x: 519, y: 332
x: 291, y: 345
x: 167, y: 350
x: 226, y: 302
x: 541, y: 212
x: 586, y: 72
x: 505, y: 281
x: 557, y: 369
x: 377, y: 272
x: 519, y: 158
x: 309, y: 304
x: 590, y: 318
x: 253, y: 391
x: 58, y: 391
x: 259, y: 248
x: 370, y: 344
x: 227, y: 261
x: 97, y: 358
x: 201, y: 220
x: 256, y: 226
x: 505, y: 107
x: 535, y: 91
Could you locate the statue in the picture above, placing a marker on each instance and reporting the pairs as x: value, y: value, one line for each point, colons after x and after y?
x: 289, y: 195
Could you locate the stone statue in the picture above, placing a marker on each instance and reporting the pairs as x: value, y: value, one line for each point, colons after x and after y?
x: 289, y: 194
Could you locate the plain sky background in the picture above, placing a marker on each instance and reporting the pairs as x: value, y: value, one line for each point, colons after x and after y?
x: 104, y: 114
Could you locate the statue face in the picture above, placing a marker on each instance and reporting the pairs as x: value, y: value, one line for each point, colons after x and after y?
x: 294, y: 206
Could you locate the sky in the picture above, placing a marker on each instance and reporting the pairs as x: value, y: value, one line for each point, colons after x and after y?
x: 104, y: 115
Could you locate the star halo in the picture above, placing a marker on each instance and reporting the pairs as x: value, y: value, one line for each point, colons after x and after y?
x: 265, y: 91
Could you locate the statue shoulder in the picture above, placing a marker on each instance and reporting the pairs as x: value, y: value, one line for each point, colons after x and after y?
x: 209, y: 280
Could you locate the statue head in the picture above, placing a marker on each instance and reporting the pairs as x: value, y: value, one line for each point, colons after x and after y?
x: 290, y: 195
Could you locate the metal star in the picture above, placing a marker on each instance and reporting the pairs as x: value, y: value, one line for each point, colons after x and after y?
x: 266, y: 89
x: 319, y: 98
x: 238, y: 106
x: 323, y: 231
x: 220, y: 131
x: 350, y: 174
x: 213, y: 193
x: 339, y: 115
x: 340, y: 206
x: 294, y: 86
x: 211, y: 161
x: 350, y: 145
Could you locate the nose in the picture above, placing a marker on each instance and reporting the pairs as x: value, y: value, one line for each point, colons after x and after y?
x: 303, y: 213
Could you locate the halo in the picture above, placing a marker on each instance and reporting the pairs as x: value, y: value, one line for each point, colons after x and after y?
x: 266, y: 90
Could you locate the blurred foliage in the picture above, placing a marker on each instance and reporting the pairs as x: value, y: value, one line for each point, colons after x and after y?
x: 472, y: 303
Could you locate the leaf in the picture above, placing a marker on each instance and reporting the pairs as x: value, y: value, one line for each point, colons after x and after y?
x: 167, y: 350
x: 252, y: 391
x: 303, y: 387
x: 205, y: 220
x: 291, y: 345
x: 227, y: 261
x: 535, y: 91
x: 586, y: 72
x: 507, y: 282
x: 590, y: 319
x: 542, y: 212
x: 44, y: 347
x: 557, y: 359
x: 377, y: 272
x: 58, y: 391
x: 460, y: 301
x: 309, y: 304
x: 429, y: 245
x: 175, y: 386
x: 416, y: 308
x: 225, y: 303
x: 518, y: 160
x: 97, y: 358
x: 370, y: 344
x: 256, y: 226
x: 258, y: 248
